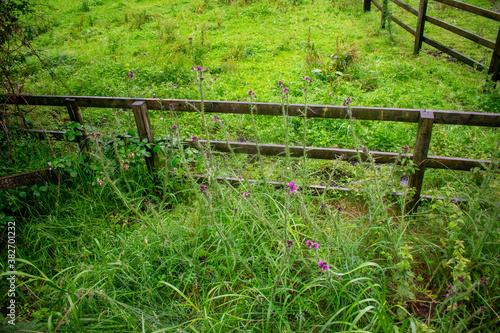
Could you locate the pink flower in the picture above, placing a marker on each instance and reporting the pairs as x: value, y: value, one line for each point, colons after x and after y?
x: 292, y: 187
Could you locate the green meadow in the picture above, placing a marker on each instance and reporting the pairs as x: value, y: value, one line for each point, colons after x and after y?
x: 109, y: 247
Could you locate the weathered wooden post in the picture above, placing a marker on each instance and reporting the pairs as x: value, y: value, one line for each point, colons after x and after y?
x: 367, y: 5
x: 495, y: 60
x: 383, y: 12
x: 420, y: 152
x: 145, y: 130
x: 75, y: 116
x: 419, y: 32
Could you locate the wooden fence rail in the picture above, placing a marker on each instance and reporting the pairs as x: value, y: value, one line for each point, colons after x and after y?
x: 422, y: 17
x: 424, y: 118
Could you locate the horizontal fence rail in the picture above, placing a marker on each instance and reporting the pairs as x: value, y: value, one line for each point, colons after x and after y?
x: 141, y: 106
x: 271, y: 109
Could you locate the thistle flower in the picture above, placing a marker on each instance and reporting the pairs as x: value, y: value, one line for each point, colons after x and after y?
x: 203, y: 188
x: 194, y: 138
x: 292, y: 187
x: 484, y: 280
x: 289, y: 243
x: 174, y: 127
x: 216, y: 119
x: 308, y: 79
x: 323, y: 265
x: 171, y: 105
x: 312, y: 244
x: 347, y: 101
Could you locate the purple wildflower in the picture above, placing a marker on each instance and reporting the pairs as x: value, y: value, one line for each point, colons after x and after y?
x: 285, y: 90
x: 447, y: 295
x: 483, y: 308
x: 245, y: 194
x: 323, y: 205
x: 171, y: 106
x: 174, y: 127
x: 216, y: 119
x: 406, y: 149
x: 323, y: 265
x: 461, y: 278
x: 292, y: 187
x: 312, y: 244
x: 484, y: 281
x: 200, y: 68
x: 194, y: 138
x: 154, y: 95
x: 203, y: 188
x: 347, y: 101
x: 130, y: 74
x: 307, y: 78
x: 364, y: 149
x: 207, y: 155
x: 289, y: 243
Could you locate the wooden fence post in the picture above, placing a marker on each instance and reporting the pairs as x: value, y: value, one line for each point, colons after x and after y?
x: 383, y: 12
x: 419, y: 32
x: 367, y: 5
x: 145, y: 130
x: 75, y: 116
x: 495, y: 60
x: 420, y: 152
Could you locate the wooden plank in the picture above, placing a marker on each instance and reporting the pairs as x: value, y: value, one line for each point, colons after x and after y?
x: 459, y: 56
x: 406, y: 7
x: 58, y: 135
x: 367, y: 5
x: 145, y: 130
x: 419, y: 33
x: 431, y: 162
x: 379, y: 7
x: 472, y: 9
x: 24, y: 179
x: 274, y: 109
x: 461, y: 32
x: 495, y: 60
x: 403, y: 25
x: 420, y: 152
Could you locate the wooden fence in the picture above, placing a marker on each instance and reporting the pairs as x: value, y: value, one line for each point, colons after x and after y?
x: 422, y: 18
x: 425, y: 119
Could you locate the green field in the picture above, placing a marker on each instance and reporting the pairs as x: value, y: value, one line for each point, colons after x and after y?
x: 109, y: 247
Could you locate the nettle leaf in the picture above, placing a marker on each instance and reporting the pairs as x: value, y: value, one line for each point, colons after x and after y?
x: 71, y: 136
x: 156, y: 148
x: 78, y: 133
x: 73, y: 174
x: 174, y: 162
x: 22, y: 194
x: 147, y: 154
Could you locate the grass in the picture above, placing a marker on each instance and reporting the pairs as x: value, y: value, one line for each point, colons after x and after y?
x: 110, y: 248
